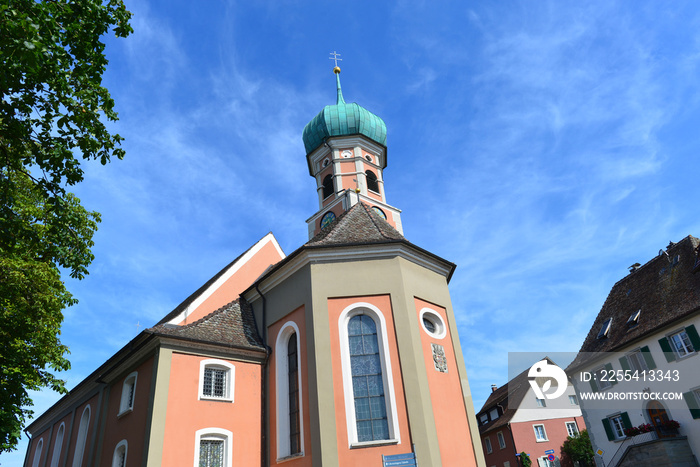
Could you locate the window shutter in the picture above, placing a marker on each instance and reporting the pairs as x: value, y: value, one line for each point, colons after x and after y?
x: 666, y: 347
x: 693, y: 336
x: 608, y: 367
x: 594, y: 386
x: 646, y: 353
x: 692, y: 403
x: 626, y: 420
x: 625, y: 364
x: 608, y: 429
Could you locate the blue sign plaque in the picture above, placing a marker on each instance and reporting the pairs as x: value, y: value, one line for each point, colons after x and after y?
x: 400, y: 460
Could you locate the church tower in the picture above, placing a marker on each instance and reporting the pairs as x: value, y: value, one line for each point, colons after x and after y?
x: 346, y: 154
x: 366, y: 364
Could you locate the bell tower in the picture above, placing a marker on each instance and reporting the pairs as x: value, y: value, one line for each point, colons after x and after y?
x: 346, y: 154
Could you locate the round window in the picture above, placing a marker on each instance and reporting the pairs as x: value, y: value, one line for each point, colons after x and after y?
x: 368, y: 157
x: 432, y: 323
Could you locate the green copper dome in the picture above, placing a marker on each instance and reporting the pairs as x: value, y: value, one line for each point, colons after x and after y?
x: 343, y: 119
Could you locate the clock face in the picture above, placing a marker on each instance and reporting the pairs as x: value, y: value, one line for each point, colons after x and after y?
x: 379, y: 211
x: 327, y: 219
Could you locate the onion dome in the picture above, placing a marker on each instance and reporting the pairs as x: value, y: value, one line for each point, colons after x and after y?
x: 343, y: 119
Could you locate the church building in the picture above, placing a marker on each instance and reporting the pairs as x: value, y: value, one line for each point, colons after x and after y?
x: 343, y: 353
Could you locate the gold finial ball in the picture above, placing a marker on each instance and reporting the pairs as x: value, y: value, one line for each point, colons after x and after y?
x: 336, y: 70
x: 357, y: 190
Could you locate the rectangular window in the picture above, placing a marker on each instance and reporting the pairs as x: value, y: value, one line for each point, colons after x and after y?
x: 493, y: 414
x: 637, y: 362
x: 681, y: 343
x: 571, y: 428
x: 540, y: 433
x: 214, y: 382
x: 540, y: 402
x: 484, y: 419
x: 487, y: 443
x: 618, y: 426
x: 573, y: 400
x: 545, y: 462
x: 506, y: 464
x: 601, y: 377
x: 501, y: 440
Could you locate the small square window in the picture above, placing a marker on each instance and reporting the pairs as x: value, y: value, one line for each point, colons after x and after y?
x: 540, y: 402
x: 680, y: 342
x: 600, y: 377
x: 540, y: 433
x: 573, y: 400
x: 637, y: 362
x: 618, y: 426
x: 216, y: 380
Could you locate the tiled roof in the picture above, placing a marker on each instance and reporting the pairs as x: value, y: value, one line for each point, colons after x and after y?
x: 664, y: 290
x: 360, y: 224
x: 508, y: 397
x: 231, y: 325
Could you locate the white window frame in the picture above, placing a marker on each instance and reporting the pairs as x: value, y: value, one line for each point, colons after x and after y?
x: 599, y: 371
x: 569, y: 431
x: 545, y: 462
x: 501, y: 440
x: 117, y: 451
x: 619, y: 434
x: 230, y: 379
x: 573, y: 400
x: 687, y: 348
x: 544, y: 433
x: 58, y: 445
x: 437, y: 321
x: 636, y: 361
x: 372, y: 311
x: 37, y: 452
x: 129, y: 386
x: 282, y: 386
x: 218, y: 434
x: 82, y: 437
x: 487, y: 443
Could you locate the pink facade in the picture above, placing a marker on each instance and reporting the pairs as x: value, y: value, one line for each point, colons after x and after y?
x: 446, y: 393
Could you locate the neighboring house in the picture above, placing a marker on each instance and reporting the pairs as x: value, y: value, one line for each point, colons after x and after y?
x: 646, y: 330
x: 341, y: 353
x: 514, y: 420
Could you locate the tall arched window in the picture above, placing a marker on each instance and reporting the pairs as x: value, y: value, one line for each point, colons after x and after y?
x: 367, y: 380
x: 58, y: 445
x: 128, y: 391
x: 370, y: 401
x: 82, y: 438
x: 119, y: 457
x: 37, y: 453
x: 372, y: 182
x: 293, y: 378
x: 290, y: 438
x: 327, y: 186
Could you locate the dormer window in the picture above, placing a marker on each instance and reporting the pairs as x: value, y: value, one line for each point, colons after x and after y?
x: 605, y: 329
x: 327, y: 186
x: 372, y: 183
x: 633, y: 320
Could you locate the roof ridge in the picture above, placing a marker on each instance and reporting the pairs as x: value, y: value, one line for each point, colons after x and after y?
x: 205, y: 317
x: 367, y: 210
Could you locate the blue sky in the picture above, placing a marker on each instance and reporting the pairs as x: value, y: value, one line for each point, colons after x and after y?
x: 543, y: 147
